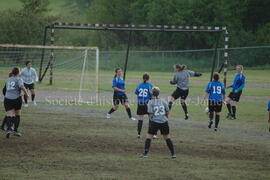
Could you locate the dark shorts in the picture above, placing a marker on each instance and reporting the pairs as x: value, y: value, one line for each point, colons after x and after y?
x: 214, y: 106
x: 29, y: 86
x: 15, y: 104
x: 154, y: 127
x: 235, y: 96
x: 142, y: 109
x: 180, y: 93
x: 117, y: 99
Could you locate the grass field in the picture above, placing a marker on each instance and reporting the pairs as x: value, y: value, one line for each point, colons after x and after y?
x: 77, y: 142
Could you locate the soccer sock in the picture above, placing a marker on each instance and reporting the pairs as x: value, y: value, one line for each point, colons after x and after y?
x: 211, y: 116
x: 25, y: 99
x: 184, y: 106
x: 217, y: 120
x: 17, y: 122
x: 140, y: 124
x: 33, y: 97
x: 147, y: 146
x: 233, y: 110
x: 111, y: 111
x: 170, y: 105
x: 10, y: 121
x: 229, y: 108
x: 4, y: 122
x: 129, y: 112
x: 170, y: 145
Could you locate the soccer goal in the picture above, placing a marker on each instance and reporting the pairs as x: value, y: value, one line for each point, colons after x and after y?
x: 72, y: 71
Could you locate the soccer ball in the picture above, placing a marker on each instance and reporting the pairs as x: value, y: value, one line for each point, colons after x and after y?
x: 206, y: 110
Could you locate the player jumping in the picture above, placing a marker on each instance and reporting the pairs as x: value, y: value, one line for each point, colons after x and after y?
x: 159, y: 111
x: 181, y: 78
x: 234, y: 96
x: 215, y: 90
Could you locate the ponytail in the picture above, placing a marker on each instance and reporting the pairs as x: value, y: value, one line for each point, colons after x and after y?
x: 15, y: 71
x: 115, y: 71
x: 146, y: 77
x: 180, y: 67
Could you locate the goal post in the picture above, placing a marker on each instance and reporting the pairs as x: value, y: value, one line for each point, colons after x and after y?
x: 71, y: 66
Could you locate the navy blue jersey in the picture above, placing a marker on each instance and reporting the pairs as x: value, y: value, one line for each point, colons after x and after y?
x: 143, y: 92
x: 268, y: 106
x: 120, y: 84
x: 238, y: 83
x: 215, y: 89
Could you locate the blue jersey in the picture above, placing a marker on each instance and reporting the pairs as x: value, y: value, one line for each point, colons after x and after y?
x: 120, y: 84
x: 143, y: 92
x: 268, y: 106
x: 238, y: 83
x: 215, y: 89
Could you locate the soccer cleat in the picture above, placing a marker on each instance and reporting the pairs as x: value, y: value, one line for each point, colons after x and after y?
x: 215, y: 129
x: 138, y: 136
x: 186, y: 116
x: 34, y: 103
x: 133, y: 119
x: 108, y: 116
x: 25, y: 105
x: 210, y: 124
x: 173, y: 156
x: 143, y: 156
x: 232, y: 118
x: 155, y: 137
x: 16, y: 133
x: 229, y: 116
x: 8, y: 134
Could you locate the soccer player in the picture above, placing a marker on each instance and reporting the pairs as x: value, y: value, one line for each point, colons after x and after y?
x: 158, y: 110
x: 181, y: 78
x: 143, y: 92
x: 235, y: 94
x: 13, y: 101
x: 119, y: 95
x: 29, y: 76
x: 268, y: 108
x: 215, y: 90
x: 4, y: 122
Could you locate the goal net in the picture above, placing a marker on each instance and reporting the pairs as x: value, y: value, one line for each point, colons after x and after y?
x: 68, y: 74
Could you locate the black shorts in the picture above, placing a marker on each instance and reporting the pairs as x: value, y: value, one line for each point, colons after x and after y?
x: 142, y: 109
x: 15, y: 104
x: 117, y: 99
x: 29, y: 86
x: 180, y: 93
x: 215, y: 106
x: 154, y: 127
x: 235, y: 96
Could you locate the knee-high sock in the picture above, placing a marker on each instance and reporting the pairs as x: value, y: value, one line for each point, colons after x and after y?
x: 33, y: 97
x: 25, y: 99
x: 111, y: 111
x: 184, y: 106
x: 170, y: 105
x: 211, y: 115
x: 4, y: 122
x: 147, y: 146
x: 217, y: 120
x: 10, y: 121
x: 129, y: 112
x: 233, y: 111
x: 17, y: 122
x: 170, y: 145
x: 229, y: 108
x: 139, y: 127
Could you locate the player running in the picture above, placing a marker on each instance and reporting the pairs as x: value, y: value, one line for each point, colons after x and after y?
x: 13, y: 101
x: 181, y: 78
x: 235, y: 94
x: 29, y: 76
x: 215, y: 90
x: 119, y: 95
x: 143, y: 92
x: 158, y: 110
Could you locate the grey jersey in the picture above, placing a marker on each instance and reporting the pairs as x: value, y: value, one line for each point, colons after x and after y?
x: 29, y: 76
x: 182, y: 79
x: 13, y: 87
x: 158, y: 108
